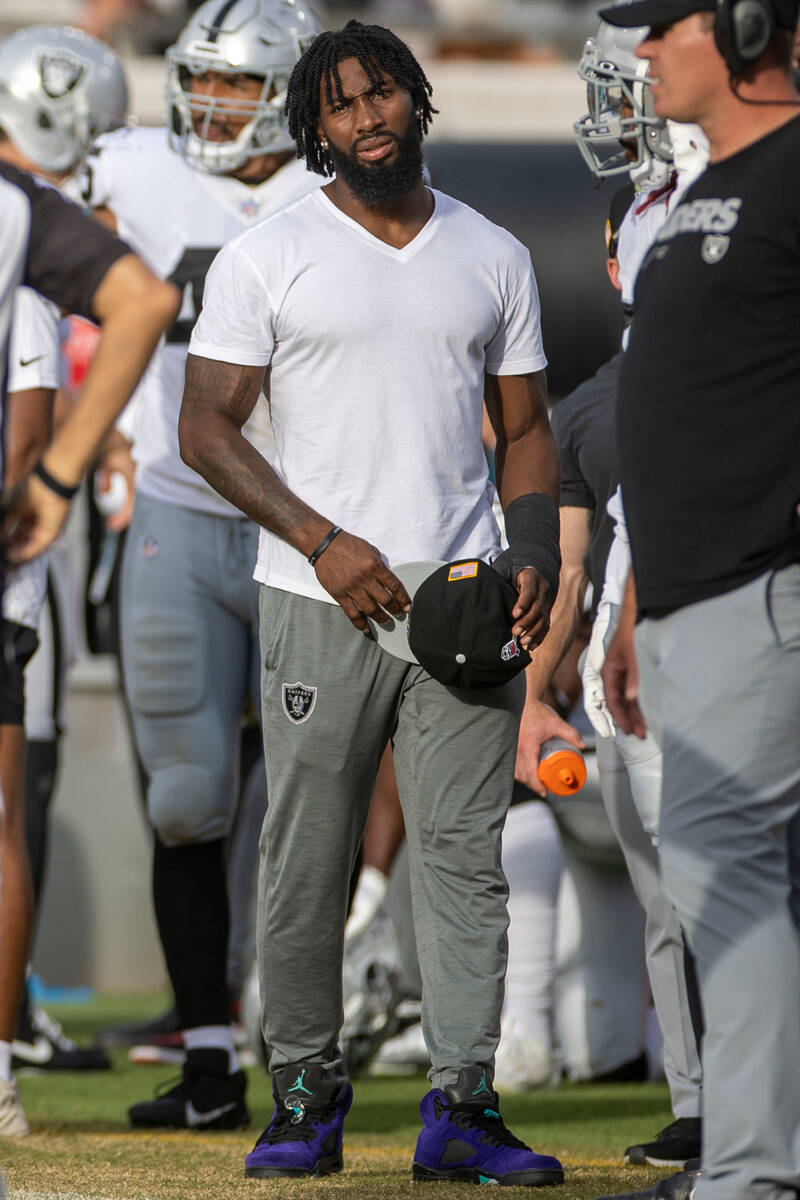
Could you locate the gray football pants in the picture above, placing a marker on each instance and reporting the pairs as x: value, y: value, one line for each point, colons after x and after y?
x: 189, y: 620
x: 631, y: 788
x: 454, y: 755
x: 720, y: 688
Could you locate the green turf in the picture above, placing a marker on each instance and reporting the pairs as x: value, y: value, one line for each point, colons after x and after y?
x: 81, y: 1144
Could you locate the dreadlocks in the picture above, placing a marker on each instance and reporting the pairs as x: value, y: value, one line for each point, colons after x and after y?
x: 377, y: 49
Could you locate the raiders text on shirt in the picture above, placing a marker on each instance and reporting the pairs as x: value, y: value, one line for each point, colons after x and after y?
x: 708, y: 419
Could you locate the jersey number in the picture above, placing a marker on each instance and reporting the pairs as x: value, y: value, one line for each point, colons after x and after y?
x: 190, y: 276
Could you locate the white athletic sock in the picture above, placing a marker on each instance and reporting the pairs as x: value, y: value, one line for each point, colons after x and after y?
x: 5, y: 1062
x: 532, y: 861
x: 212, y: 1037
x: 370, y: 895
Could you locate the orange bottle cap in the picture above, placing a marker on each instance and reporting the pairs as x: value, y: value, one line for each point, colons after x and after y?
x: 563, y: 772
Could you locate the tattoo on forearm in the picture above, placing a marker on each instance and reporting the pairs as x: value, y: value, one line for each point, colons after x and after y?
x: 218, y: 398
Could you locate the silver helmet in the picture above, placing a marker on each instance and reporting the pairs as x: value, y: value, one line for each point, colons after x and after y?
x: 263, y: 38
x: 621, y: 134
x: 59, y: 88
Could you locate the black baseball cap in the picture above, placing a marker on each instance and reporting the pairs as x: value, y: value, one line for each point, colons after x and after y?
x: 632, y: 13
x: 459, y: 627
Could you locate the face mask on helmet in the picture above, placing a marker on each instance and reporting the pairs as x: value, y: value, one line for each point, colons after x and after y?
x: 620, y: 134
x: 59, y: 88
x: 249, y: 49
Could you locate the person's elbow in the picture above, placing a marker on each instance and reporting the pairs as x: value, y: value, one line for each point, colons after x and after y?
x: 166, y: 301
x: 190, y: 437
x: 162, y: 302
x: 130, y: 292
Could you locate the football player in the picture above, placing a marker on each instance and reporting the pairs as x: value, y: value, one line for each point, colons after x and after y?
x: 620, y: 136
x: 59, y: 88
x: 189, y: 603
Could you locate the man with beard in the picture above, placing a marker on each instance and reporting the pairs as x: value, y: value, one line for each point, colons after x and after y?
x: 383, y: 310
x: 189, y: 612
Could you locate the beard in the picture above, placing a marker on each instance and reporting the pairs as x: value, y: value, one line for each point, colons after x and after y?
x: 379, y: 185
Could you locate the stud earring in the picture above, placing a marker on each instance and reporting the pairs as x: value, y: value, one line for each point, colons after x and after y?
x: 324, y: 143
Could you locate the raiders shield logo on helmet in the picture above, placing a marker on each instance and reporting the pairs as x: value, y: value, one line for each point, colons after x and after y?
x: 298, y: 701
x: 59, y: 73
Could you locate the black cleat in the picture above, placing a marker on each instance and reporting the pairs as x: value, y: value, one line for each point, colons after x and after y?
x: 207, y: 1097
x: 41, y: 1045
x: 163, y: 1029
x: 676, y: 1187
x: 671, y: 1147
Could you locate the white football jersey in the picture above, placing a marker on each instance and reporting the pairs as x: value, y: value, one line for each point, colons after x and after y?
x: 177, y: 218
x: 34, y: 353
x: 649, y: 211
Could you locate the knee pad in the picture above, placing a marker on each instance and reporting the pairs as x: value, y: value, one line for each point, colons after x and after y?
x: 188, y: 803
x: 164, y: 665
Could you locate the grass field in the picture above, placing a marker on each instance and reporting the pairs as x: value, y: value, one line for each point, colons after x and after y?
x: 81, y: 1145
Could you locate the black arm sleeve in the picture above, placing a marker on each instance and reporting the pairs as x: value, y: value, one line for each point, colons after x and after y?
x: 68, y: 252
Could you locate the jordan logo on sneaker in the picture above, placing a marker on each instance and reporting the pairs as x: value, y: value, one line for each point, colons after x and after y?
x: 298, y: 1086
x: 483, y: 1088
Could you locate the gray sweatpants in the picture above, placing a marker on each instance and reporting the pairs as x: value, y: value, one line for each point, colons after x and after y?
x: 331, y: 699
x: 720, y: 687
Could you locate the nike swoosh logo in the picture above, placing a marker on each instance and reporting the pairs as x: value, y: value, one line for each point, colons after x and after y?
x: 26, y: 362
x: 37, y: 1053
x: 194, y: 1118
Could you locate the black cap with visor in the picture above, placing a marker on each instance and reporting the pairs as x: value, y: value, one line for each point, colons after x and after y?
x: 666, y: 12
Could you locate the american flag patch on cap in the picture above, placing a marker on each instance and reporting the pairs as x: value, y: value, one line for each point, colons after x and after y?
x: 462, y: 571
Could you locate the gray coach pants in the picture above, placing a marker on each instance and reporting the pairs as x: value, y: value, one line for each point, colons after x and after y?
x: 720, y: 686
x: 331, y: 700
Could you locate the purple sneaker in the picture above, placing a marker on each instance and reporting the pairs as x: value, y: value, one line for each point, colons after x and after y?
x: 464, y: 1139
x: 304, y: 1136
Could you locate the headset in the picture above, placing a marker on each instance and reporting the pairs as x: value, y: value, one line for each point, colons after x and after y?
x: 742, y: 31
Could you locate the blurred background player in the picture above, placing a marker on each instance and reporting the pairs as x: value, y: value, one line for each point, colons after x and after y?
x: 621, y: 135
x: 48, y: 243
x: 189, y: 619
x: 59, y: 88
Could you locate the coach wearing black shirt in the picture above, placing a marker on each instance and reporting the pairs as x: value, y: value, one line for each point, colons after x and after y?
x: 709, y: 433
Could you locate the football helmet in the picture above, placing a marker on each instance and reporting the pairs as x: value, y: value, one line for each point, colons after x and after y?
x: 59, y: 89
x: 620, y: 134
x: 263, y: 38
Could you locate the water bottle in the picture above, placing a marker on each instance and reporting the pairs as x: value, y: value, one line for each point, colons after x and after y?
x: 562, y: 768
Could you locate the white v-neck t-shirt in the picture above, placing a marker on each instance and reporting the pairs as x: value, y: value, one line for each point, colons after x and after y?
x: 376, y: 360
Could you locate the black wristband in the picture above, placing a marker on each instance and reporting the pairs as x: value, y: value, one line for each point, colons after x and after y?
x: 532, y: 531
x: 65, y: 490
x: 323, y: 546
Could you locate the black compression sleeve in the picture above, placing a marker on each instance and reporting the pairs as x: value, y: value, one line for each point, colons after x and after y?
x: 532, y: 530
